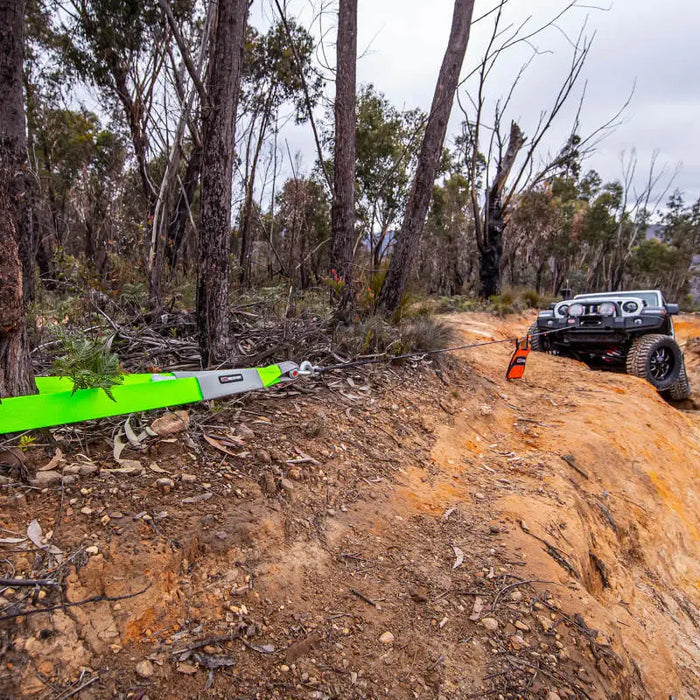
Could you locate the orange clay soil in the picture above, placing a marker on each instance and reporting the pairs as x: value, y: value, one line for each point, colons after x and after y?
x: 391, y: 533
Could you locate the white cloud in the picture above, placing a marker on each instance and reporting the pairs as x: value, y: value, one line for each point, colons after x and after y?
x: 655, y: 44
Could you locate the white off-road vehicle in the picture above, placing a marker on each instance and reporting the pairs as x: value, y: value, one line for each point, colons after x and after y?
x: 630, y: 330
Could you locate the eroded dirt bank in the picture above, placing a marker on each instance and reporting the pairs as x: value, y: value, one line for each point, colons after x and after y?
x: 393, y: 534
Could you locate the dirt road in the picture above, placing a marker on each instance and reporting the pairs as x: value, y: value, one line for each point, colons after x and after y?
x: 396, y: 533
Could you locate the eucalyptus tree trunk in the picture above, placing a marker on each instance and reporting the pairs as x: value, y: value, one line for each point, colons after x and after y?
x: 343, y: 209
x: 408, y: 239
x: 218, y: 140
x: 15, y: 221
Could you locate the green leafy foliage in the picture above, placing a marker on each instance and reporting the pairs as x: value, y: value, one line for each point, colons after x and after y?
x: 90, y: 364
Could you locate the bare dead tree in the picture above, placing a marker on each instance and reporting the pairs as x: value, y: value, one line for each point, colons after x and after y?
x: 15, y: 228
x: 419, y: 200
x: 166, y: 200
x: 510, y: 168
x: 637, y: 208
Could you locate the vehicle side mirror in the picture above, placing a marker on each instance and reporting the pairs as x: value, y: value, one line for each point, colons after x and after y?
x: 672, y: 309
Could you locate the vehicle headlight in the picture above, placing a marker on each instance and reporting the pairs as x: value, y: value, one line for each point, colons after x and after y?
x: 577, y: 310
x: 562, y: 310
x: 629, y: 307
x: 607, y: 308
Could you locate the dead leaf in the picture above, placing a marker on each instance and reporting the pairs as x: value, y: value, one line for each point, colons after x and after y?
x: 54, y: 462
x: 171, y: 423
x: 131, y: 435
x: 34, y: 533
x: 119, y: 447
x: 198, y: 499
x: 187, y: 669
x: 155, y: 468
x: 13, y: 540
x: 478, y: 607
x: 460, y: 557
x: 218, y: 444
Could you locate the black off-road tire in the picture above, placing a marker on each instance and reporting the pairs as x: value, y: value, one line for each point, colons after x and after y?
x: 656, y: 358
x: 680, y: 389
x: 537, y: 342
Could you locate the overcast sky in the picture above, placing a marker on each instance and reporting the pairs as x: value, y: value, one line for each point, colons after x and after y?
x: 655, y: 45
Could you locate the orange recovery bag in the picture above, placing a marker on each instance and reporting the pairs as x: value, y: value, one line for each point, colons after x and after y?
x: 516, y: 366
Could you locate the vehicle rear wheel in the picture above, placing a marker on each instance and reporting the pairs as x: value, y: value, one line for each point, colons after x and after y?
x: 656, y: 358
x: 537, y: 341
x: 680, y: 389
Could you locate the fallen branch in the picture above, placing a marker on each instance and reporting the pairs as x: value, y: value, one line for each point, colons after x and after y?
x: 63, y: 606
x: 75, y: 691
x: 511, y: 586
x: 361, y: 596
x: 17, y: 582
x: 569, y: 459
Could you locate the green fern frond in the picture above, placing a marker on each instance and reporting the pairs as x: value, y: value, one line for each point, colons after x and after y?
x: 90, y: 364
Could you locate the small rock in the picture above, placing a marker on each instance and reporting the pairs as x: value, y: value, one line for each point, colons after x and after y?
x: 165, y: 484
x: 516, y: 596
x: 49, y: 478
x: 171, y: 423
x: 187, y: 669
x: 198, y: 498
x: 263, y: 456
x: 485, y: 410
x: 479, y: 496
x: 80, y: 469
x: 144, y: 668
x: 69, y: 479
x: 545, y: 623
x: 494, y: 529
x: 551, y: 695
x: 294, y: 473
x: 387, y: 638
x: 269, y: 485
x: 116, y: 514
x: 419, y: 594
x: 242, y: 430
x: 490, y: 623
x: 188, y: 478
x: 284, y: 668
x: 517, y: 642
x: 86, y: 510
x: 94, y: 549
x: 522, y: 626
x: 287, y: 485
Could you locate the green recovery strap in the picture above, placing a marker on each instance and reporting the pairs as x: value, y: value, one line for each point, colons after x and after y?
x: 56, y: 403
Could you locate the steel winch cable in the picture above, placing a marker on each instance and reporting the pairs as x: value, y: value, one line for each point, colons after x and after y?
x: 307, y: 368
